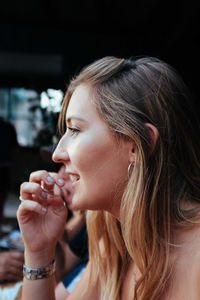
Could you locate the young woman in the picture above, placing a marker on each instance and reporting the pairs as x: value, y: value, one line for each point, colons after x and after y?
x: 131, y: 147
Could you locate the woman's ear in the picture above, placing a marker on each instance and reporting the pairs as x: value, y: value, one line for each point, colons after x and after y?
x: 154, y: 135
x: 131, y: 152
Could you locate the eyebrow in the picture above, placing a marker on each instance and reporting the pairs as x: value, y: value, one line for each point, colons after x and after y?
x: 68, y: 119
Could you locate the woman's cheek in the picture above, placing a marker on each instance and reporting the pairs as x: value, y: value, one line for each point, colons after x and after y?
x: 79, y: 152
x: 81, y: 146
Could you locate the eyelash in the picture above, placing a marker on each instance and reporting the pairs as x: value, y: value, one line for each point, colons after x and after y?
x: 73, y: 130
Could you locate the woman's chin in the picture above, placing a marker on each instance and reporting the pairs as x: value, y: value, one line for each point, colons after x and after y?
x: 74, y: 204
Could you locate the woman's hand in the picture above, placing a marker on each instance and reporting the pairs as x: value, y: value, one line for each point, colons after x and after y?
x: 42, y: 213
x: 11, y: 266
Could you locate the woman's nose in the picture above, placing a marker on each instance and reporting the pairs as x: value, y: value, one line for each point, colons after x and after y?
x: 60, y: 154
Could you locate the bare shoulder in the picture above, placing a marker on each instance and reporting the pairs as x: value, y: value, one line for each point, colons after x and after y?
x: 186, y: 267
x: 188, y: 238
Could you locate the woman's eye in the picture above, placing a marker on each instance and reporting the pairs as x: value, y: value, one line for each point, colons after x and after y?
x: 72, y: 130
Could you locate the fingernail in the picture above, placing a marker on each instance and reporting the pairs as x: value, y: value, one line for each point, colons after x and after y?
x: 49, y: 179
x: 60, y: 181
x: 44, y: 210
x: 43, y: 195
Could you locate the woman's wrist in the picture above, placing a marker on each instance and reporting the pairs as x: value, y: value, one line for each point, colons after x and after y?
x: 36, y: 260
x: 39, y: 273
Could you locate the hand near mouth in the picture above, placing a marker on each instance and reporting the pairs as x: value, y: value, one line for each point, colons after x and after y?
x: 42, y: 214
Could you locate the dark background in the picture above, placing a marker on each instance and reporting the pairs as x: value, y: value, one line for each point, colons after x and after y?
x: 42, y: 43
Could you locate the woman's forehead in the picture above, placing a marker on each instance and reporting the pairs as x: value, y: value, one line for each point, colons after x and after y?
x: 80, y: 103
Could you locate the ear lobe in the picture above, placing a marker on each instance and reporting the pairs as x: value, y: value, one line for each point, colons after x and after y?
x: 154, y: 135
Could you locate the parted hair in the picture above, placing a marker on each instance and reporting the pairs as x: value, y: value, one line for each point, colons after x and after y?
x: 128, y: 93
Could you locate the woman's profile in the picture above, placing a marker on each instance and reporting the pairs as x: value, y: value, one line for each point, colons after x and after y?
x: 130, y: 144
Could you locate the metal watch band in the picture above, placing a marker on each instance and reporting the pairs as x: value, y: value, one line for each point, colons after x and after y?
x: 39, y: 273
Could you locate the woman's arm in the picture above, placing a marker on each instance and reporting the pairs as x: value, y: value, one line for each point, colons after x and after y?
x: 41, y: 289
x: 45, y: 289
x: 41, y: 216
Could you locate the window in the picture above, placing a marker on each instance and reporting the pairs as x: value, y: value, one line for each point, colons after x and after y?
x: 33, y: 114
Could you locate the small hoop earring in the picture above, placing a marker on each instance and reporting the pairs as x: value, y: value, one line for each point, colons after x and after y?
x: 129, y: 168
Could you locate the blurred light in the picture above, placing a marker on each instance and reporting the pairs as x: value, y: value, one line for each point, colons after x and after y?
x: 44, y: 102
x: 52, y: 100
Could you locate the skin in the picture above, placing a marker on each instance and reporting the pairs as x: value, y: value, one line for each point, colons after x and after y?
x: 100, y: 165
x: 90, y: 152
x: 11, y: 265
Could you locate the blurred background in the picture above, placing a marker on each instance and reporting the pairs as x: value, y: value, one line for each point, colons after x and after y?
x: 42, y: 45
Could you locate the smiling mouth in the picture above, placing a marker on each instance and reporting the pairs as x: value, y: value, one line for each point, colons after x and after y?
x: 74, y: 177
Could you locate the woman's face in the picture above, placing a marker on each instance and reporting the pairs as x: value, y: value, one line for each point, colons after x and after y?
x: 95, y: 161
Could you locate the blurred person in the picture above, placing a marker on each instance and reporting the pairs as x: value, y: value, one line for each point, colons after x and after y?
x: 11, y: 274
x: 11, y: 266
x: 130, y: 145
x: 11, y: 261
x: 8, y: 142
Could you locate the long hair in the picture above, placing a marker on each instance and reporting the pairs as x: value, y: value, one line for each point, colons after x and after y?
x: 128, y: 93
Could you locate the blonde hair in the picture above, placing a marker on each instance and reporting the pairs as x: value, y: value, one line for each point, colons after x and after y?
x: 128, y: 94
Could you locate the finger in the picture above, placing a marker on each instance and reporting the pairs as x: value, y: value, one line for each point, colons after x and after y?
x: 15, y: 273
x: 53, y: 174
x: 18, y: 265
x: 12, y: 277
x: 30, y: 206
x: 47, y: 183
x: 28, y: 189
x: 38, y: 175
x: 59, y: 209
x: 48, y: 179
x: 17, y: 256
x: 12, y: 269
x: 44, y: 179
x: 55, y: 195
x: 58, y: 179
x: 56, y: 201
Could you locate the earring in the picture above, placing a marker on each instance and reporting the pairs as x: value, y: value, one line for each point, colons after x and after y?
x: 131, y: 165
